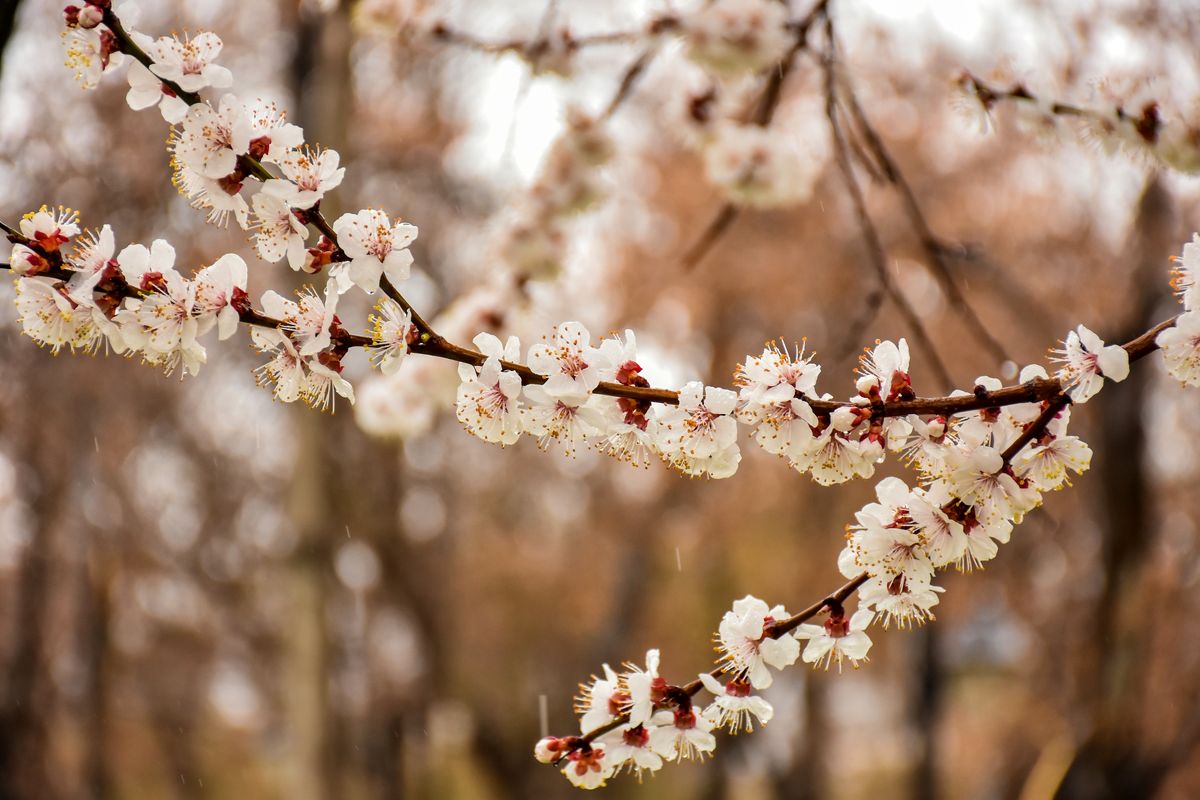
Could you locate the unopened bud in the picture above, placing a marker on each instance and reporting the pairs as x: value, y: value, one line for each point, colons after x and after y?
x: 549, y: 749
x: 867, y: 384
x: 89, y: 17
x: 844, y: 418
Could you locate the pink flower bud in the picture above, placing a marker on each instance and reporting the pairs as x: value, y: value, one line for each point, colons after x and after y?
x: 548, y: 750
x: 90, y: 16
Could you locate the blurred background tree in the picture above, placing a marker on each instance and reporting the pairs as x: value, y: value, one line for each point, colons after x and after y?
x: 209, y: 595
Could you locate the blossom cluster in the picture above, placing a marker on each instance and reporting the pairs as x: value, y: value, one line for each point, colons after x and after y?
x: 1180, y: 343
x: 1146, y: 131
x: 979, y: 472
x: 74, y: 290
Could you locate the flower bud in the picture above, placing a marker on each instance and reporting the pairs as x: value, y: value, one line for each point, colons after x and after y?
x: 867, y: 384
x: 548, y: 749
x: 89, y: 17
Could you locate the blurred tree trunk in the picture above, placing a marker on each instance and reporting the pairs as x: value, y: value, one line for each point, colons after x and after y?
x: 321, y: 90
x: 1112, y: 762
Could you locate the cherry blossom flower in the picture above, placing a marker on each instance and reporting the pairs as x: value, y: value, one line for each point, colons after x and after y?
x: 219, y: 197
x: 49, y: 317
x: 1047, y: 460
x: 92, y: 52
x: 220, y: 289
x: 271, y: 135
x: 601, y: 701
x: 571, y: 365
x: 905, y: 600
x: 734, y: 707
x: 699, y: 435
x: 376, y: 248
x: 645, y: 689
x: 838, y: 640
x: 143, y: 268
x: 277, y: 231
x: 1181, y: 348
x: 189, y: 63
x: 758, y: 167
x: 978, y: 477
x: 566, y: 421
x: 731, y: 37
x: 884, y: 539
x: 392, y: 330
x: 488, y: 400
x: 308, y: 174
x: 1087, y: 361
x: 162, y: 325
x: 210, y: 140
x: 746, y: 650
x: 689, y: 734
x: 146, y: 89
x: 588, y: 766
x: 771, y: 388
x: 885, y: 369
x: 944, y: 539
x: 633, y: 747
x: 50, y: 229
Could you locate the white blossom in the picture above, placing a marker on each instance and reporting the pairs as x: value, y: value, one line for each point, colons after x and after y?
x: 376, y: 248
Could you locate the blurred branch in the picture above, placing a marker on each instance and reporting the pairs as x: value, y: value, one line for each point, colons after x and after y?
x: 934, y: 251
x: 761, y: 114
x: 875, y: 250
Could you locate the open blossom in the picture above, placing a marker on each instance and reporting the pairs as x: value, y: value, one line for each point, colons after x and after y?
x: 771, y: 387
x: 298, y: 369
x: 901, y: 599
x: 49, y: 317
x: 884, y: 372
x: 600, y: 701
x: 1185, y: 275
x: 91, y: 52
x: 699, y: 435
x: 733, y: 706
x: 566, y: 421
x: 884, y: 538
x: 979, y: 478
x: 836, y: 453
x: 277, y: 231
x: 271, y: 135
x: 588, y: 767
x: 488, y: 401
x: 392, y: 330
x: 838, y: 640
x: 308, y: 174
x: 143, y: 267
x: 146, y: 89
x: 48, y: 230
x: 683, y: 730
x: 376, y: 248
x: 645, y: 688
x: 731, y: 37
x: 1181, y: 348
x: 189, y: 63
x: 1087, y: 361
x: 211, y: 139
x: 571, y: 365
x: 1047, y: 460
x: 634, y: 748
x: 759, y: 167
x: 218, y: 197
x: 746, y: 650
x: 943, y: 538
x: 162, y: 325
x: 220, y: 290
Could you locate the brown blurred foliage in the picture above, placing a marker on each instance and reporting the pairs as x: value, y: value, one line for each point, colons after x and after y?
x: 207, y: 595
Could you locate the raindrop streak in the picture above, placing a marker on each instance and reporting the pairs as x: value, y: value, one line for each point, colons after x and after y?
x: 347, y: 531
x: 543, y: 715
x: 678, y: 560
x: 96, y: 439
